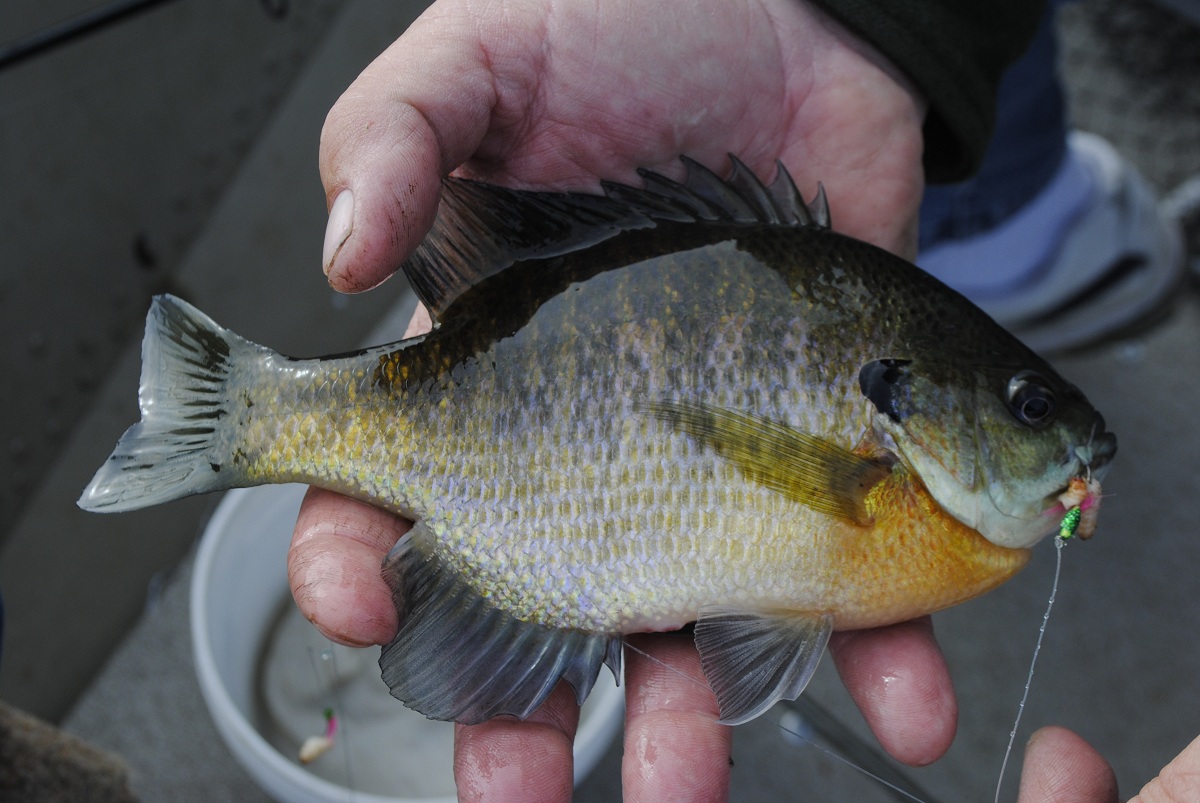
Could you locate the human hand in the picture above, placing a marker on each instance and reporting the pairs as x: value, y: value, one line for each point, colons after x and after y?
x: 673, y: 743
x: 1062, y: 767
x: 558, y: 94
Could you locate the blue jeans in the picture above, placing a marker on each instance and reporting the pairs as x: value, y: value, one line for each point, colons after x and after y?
x: 1025, y: 152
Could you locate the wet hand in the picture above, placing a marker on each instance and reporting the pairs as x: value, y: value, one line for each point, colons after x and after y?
x: 557, y: 95
x: 672, y: 739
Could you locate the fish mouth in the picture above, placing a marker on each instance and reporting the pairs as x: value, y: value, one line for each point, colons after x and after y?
x: 1102, y: 450
x: 1096, y: 455
x: 1093, y: 460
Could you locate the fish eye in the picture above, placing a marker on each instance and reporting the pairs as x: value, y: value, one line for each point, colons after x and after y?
x: 1031, y: 399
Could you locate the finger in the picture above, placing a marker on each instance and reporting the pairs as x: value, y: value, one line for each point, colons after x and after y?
x: 899, y: 680
x: 416, y: 112
x: 507, y: 759
x: 674, y: 747
x: 1062, y: 767
x: 1178, y: 782
x: 334, y: 564
x: 862, y: 141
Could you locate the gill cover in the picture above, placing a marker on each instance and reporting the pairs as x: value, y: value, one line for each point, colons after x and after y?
x: 925, y: 412
x: 993, y: 444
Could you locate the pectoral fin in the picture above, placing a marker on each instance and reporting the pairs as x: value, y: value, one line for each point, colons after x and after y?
x: 754, y: 658
x: 458, y: 657
x: 803, y: 467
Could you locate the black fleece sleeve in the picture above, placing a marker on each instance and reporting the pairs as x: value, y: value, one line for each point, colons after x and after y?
x: 955, y: 52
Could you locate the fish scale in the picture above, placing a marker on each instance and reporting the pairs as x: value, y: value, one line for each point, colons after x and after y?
x: 636, y: 411
x: 656, y: 466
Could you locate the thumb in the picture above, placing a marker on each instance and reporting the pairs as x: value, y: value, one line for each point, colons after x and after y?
x: 1178, y: 782
x: 420, y: 109
x: 1061, y: 767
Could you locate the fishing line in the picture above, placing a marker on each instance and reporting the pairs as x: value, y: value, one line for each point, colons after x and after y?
x: 665, y: 665
x: 1059, y: 541
x: 847, y: 762
x: 330, y: 681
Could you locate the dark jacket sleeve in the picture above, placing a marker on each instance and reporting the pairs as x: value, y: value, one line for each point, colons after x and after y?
x: 955, y: 52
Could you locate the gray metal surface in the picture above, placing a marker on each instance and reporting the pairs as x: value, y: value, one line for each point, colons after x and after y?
x: 139, y: 132
x: 113, y: 150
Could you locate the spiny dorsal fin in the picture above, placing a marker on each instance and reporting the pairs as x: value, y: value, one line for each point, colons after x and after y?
x: 706, y: 197
x: 483, y: 229
x: 803, y: 467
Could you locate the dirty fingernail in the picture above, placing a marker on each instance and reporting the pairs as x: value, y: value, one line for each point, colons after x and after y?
x: 341, y: 223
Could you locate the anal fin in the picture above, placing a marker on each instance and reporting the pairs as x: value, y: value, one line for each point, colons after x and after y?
x: 753, y: 658
x: 458, y: 657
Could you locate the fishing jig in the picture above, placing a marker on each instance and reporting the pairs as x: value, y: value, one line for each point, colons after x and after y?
x: 316, y: 746
x: 1082, y: 503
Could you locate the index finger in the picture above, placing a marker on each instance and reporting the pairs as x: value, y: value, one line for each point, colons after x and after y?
x: 334, y: 568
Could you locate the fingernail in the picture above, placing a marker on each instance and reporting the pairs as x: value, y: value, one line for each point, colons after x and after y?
x: 341, y: 223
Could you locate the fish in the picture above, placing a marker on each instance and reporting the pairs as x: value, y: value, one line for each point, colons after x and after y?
x: 687, y: 402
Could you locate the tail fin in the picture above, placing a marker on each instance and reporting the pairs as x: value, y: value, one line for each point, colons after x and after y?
x: 175, y: 450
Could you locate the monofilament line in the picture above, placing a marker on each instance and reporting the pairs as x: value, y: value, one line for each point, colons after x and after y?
x: 674, y: 670
x: 838, y: 757
x: 1012, y: 737
x: 328, y: 676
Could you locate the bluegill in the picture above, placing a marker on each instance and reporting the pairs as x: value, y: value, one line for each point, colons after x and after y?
x: 686, y: 402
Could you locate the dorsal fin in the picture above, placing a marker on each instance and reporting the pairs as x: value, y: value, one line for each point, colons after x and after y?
x: 482, y: 229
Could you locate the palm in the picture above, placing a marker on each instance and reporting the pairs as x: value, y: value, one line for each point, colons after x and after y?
x: 558, y: 94
x: 744, y: 81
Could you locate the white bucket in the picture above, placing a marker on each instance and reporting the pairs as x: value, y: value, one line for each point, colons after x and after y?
x: 267, y: 675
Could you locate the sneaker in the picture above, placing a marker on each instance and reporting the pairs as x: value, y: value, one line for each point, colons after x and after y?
x: 1091, y: 257
x: 1183, y: 203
